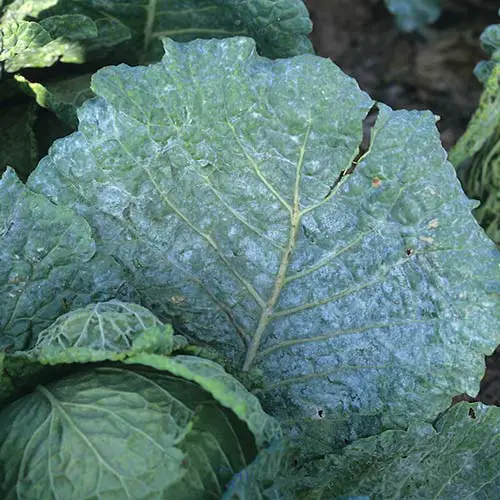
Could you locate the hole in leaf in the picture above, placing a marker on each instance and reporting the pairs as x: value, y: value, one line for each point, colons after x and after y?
x: 364, y: 146
x: 489, y: 388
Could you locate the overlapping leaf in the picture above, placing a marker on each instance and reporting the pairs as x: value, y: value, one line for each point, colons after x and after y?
x: 47, y: 264
x: 455, y: 458
x: 112, y: 432
x: 177, y: 425
x: 39, y: 34
x: 130, y: 334
x: 227, y: 185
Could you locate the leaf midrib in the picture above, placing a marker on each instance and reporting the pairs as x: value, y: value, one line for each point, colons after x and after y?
x: 295, y: 216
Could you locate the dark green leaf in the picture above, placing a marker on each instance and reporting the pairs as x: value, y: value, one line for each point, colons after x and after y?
x: 18, y: 148
x: 62, y: 96
x: 47, y: 264
x: 456, y: 458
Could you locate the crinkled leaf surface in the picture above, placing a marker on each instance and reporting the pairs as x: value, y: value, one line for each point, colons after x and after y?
x: 134, y: 434
x: 129, y: 333
x: 456, y: 458
x: 219, y: 180
x: 47, y: 264
x: 116, y: 433
x: 103, y: 331
x: 414, y: 14
x: 80, y: 31
x: 38, y: 34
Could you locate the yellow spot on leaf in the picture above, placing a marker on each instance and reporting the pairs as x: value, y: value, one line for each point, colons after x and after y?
x: 177, y: 299
x: 427, y: 239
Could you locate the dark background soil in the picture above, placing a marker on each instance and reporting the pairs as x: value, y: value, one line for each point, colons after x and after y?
x: 431, y: 69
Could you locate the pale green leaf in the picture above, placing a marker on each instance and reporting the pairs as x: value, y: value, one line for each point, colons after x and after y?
x: 132, y: 434
x: 28, y: 44
x: 104, y: 331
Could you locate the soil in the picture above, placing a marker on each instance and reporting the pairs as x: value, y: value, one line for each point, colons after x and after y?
x: 431, y: 69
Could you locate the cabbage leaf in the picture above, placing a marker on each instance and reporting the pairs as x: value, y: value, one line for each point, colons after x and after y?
x: 457, y: 457
x: 48, y: 264
x: 358, y: 289
x: 42, y: 33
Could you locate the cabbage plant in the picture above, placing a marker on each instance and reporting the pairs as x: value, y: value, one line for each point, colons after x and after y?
x: 211, y: 289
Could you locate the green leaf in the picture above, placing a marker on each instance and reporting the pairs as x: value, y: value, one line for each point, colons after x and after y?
x: 490, y: 42
x: 476, y: 156
x: 103, y: 331
x: 456, y: 458
x: 28, y: 44
x: 230, y: 188
x: 62, y: 96
x: 127, y: 332
x: 116, y: 433
x: 227, y: 390
x: 414, y: 14
x: 47, y: 264
x: 38, y: 34
x: 186, y: 418
x: 79, y: 31
x: 265, y: 478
